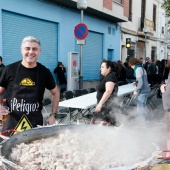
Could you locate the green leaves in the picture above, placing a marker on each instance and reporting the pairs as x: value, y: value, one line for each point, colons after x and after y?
x: 166, y: 6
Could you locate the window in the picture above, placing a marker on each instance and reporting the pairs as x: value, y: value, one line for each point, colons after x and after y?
x: 154, y: 17
x: 109, y: 30
x: 143, y: 6
x: 113, y: 31
x: 162, y: 30
x: 130, y: 10
x: 153, y: 54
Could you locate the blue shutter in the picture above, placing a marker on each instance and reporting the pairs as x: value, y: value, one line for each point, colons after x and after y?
x: 15, y: 27
x: 92, y: 56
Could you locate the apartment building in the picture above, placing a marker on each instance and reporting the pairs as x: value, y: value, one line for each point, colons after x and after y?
x: 145, y: 27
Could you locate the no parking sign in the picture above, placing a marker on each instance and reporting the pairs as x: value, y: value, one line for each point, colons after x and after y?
x: 81, y: 31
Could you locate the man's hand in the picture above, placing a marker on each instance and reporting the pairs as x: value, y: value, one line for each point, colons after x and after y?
x: 51, y: 120
x: 163, y: 88
x: 135, y: 93
x: 4, y: 111
x: 134, y: 84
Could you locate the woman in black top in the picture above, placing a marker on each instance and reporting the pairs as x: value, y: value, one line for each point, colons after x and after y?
x: 106, y: 91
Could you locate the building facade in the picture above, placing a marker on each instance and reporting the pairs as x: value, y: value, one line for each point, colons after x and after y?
x: 145, y: 27
x: 53, y: 22
x: 167, y: 37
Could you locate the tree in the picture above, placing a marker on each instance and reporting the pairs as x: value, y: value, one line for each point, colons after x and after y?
x: 166, y: 6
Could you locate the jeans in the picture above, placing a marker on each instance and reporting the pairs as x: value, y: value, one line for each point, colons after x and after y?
x: 141, y: 105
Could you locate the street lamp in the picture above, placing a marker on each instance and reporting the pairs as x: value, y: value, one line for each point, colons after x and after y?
x: 82, y: 5
x: 145, y: 30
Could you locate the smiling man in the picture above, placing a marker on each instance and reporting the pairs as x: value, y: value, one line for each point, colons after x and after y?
x: 25, y: 82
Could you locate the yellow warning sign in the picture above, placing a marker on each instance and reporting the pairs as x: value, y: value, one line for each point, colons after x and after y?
x: 161, y: 167
x: 23, y: 124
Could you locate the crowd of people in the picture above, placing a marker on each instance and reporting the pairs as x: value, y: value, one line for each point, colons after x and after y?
x: 143, y: 76
x: 157, y: 72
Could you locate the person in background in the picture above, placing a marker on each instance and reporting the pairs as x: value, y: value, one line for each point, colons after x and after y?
x: 25, y: 82
x: 141, y: 60
x: 158, y: 77
x: 60, y: 70
x: 115, y: 69
x: 142, y: 87
x: 151, y: 70
x: 106, y: 92
x: 165, y: 89
x: 2, y: 66
x: 164, y: 70
x: 129, y: 72
x: 121, y: 73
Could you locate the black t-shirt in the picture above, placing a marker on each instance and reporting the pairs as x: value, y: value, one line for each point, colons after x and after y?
x: 101, y: 86
x: 42, y: 77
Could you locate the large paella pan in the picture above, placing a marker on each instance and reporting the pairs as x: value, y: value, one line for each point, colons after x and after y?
x: 83, y: 147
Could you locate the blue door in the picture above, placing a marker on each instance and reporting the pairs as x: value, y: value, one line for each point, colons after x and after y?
x: 110, y: 54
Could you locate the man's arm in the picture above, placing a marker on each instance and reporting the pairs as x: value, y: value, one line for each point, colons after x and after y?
x: 55, y: 101
x: 2, y: 109
x: 163, y: 88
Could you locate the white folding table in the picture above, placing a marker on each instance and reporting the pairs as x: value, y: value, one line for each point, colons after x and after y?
x: 88, y: 101
x: 81, y: 103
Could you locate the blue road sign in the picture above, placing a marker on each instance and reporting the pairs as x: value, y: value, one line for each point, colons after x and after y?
x: 81, y: 31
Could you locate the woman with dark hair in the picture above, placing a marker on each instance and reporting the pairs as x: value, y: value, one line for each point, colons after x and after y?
x: 106, y: 91
x: 142, y: 87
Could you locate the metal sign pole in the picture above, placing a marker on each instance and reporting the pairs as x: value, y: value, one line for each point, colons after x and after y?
x: 145, y: 30
x: 81, y: 58
x: 145, y: 49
